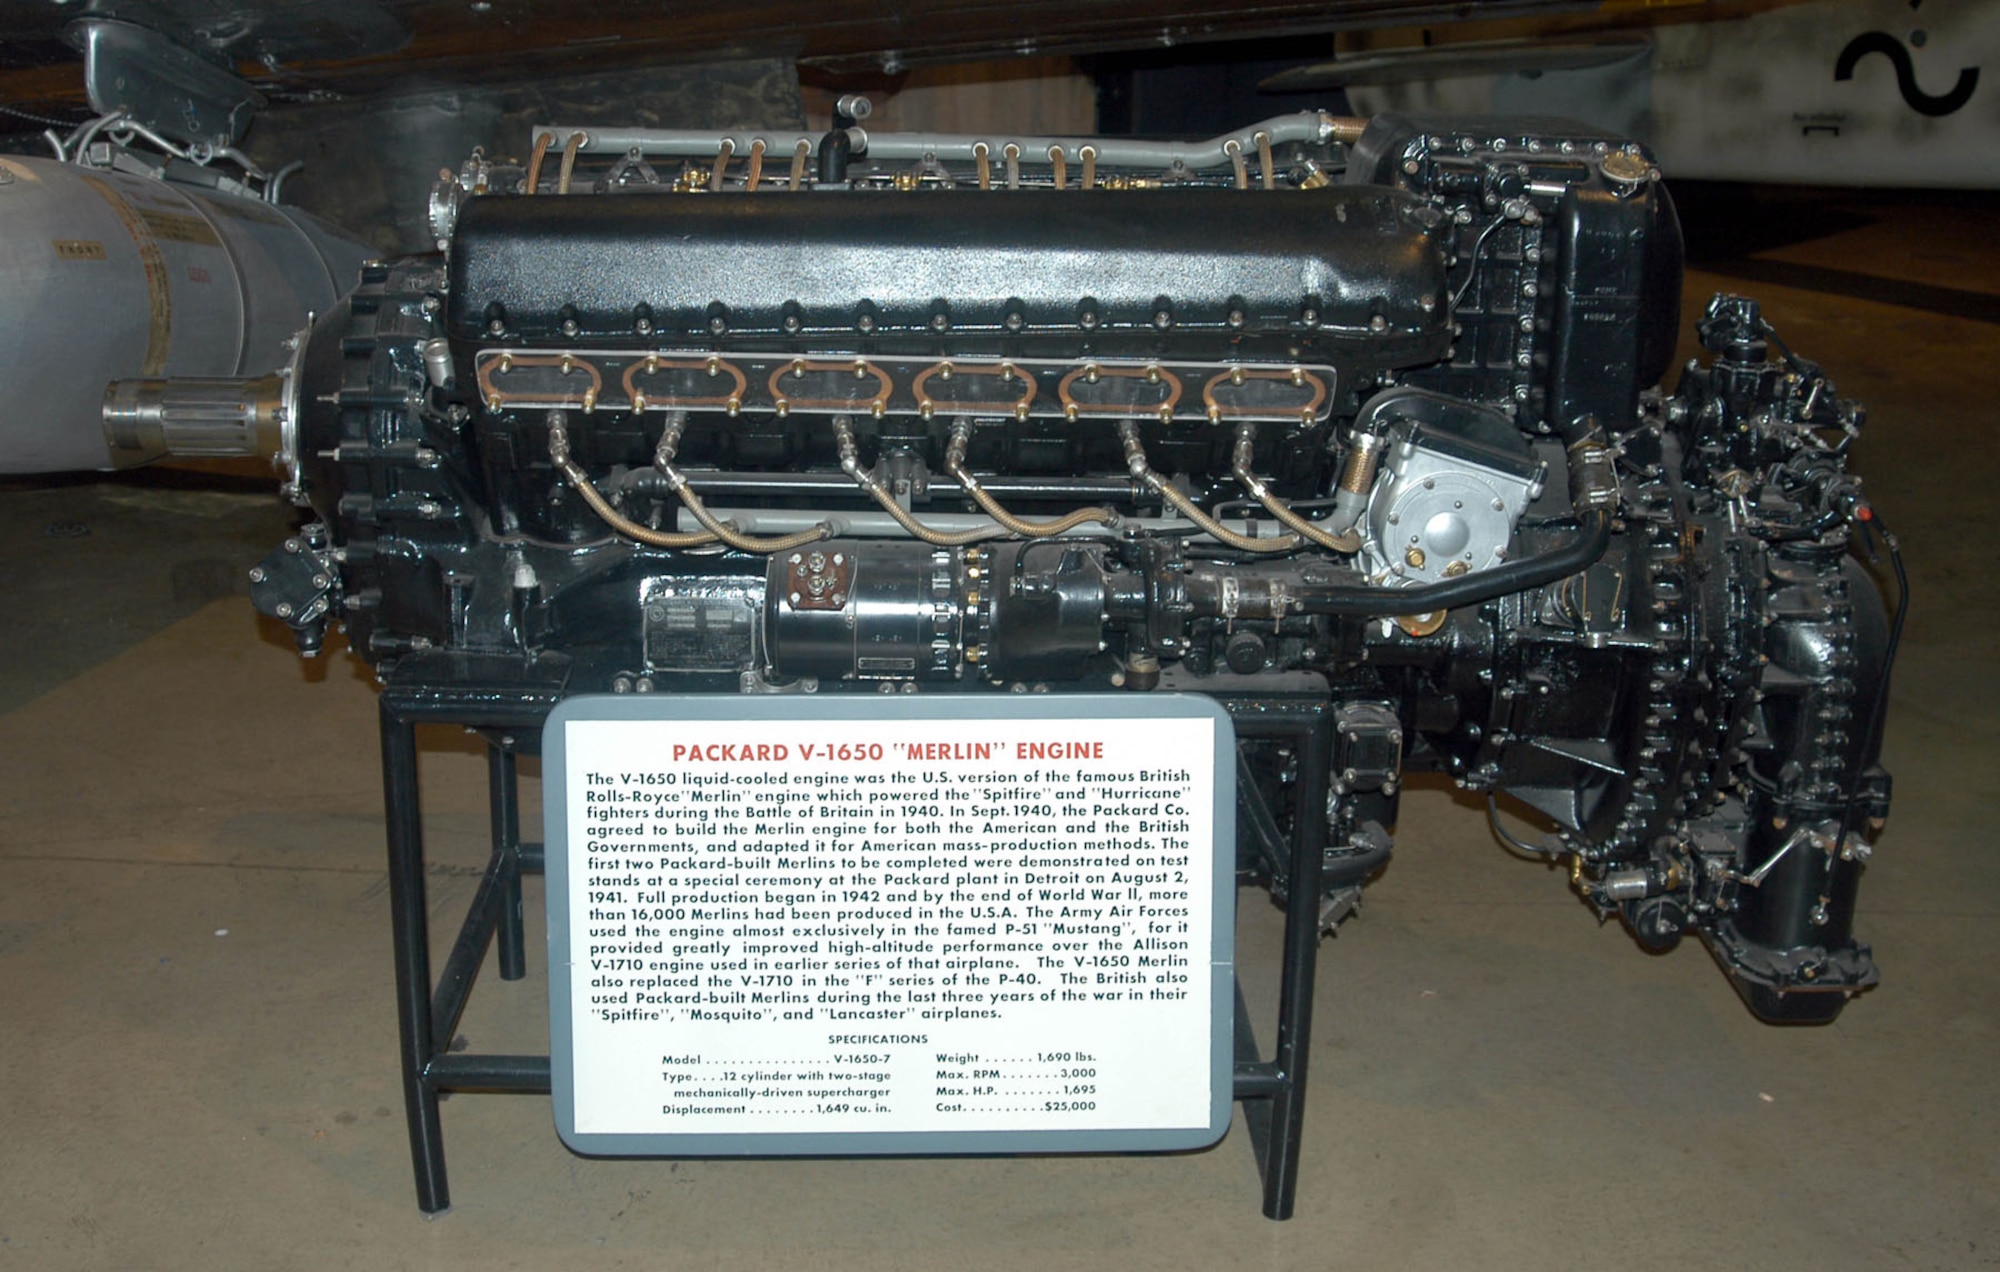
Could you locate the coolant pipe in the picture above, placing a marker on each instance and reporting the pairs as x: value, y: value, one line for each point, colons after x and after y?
x: 1361, y: 600
x: 1135, y: 462
x: 580, y: 482
x: 663, y: 459
x: 712, y: 530
x: 1593, y: 492
x: 850, y: 463
x: 954, y: 463
x: 1246, y: 448
x: 1357, y: 480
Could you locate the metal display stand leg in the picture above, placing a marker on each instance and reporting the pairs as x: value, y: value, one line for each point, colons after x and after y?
x: 410, y: 925
x: 428, y: 1017
x: 503, y: 797
x: 1272, y: 1091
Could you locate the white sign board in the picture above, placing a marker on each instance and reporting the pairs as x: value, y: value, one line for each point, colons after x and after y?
x: 956, y: 923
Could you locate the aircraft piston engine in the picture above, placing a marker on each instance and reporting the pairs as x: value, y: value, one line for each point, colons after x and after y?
x: 1369, y: 418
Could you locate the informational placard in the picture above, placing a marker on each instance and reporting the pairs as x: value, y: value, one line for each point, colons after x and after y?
x: 955, y: 923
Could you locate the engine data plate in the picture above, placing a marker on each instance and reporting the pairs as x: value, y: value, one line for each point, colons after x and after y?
x: 949, y: 924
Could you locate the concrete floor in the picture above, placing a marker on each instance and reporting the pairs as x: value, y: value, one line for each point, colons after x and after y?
x: 197, y: 1046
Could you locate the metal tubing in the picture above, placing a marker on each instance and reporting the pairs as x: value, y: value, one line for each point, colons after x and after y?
x: 1311, y: 127
x: 826, y: 485
x: 580, y: 482
x: 1256, y: 1079
x: 512, y: 1075
x: 1355, y: 600
x: 503, y: 797
x: 410, y: 930
x: 879, y: 525
x: 954, y: 463
x: 461, y: 966
x: 1246, y: 477
x: 1280, y: 1143
x: 850, y: 463
x: 1251, y: 807
x: 1135, y: 461
x: 1288, y: 1106
x: 1262, y: 1080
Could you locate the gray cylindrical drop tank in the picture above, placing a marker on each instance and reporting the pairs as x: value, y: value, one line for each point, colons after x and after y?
x: 106, y: 276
